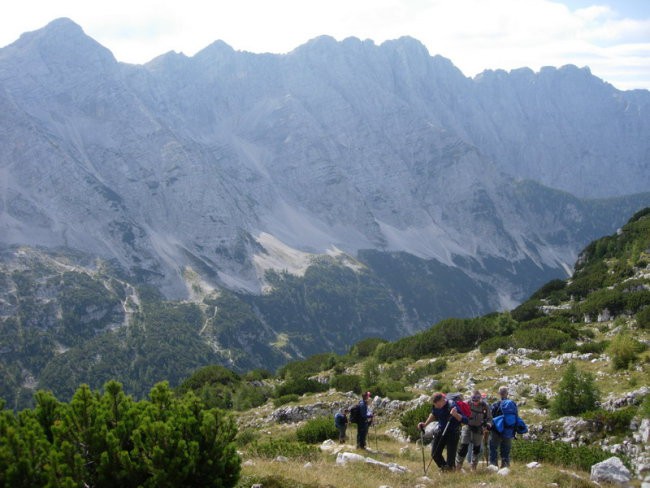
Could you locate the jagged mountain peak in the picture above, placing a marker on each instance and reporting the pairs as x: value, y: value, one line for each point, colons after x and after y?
x: 218, y: 49
x: 61, y: 44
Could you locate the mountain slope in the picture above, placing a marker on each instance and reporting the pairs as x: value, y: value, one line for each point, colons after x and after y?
x: 190, y: 162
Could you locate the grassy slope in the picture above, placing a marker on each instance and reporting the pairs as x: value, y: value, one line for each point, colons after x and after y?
x: 464, y: 371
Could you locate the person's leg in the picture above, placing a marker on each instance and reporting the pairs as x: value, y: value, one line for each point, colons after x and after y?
x: 506, y: 445
x: 437, y: 446
x: 476, y: 442
x: 452, y: 447
x: 364, y: 434
x: 476, y: 455
x: 359, y: 435
x: 464, y: 446
x: 462, y: 452
x: 495, y: 440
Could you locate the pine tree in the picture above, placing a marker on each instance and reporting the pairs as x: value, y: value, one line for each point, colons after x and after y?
x: 576, y: 394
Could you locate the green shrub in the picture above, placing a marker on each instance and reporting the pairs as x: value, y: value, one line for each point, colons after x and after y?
x: 623, y: 349
x: 246, y: 436
x: 615, y: 422
x: 550, y: 289
x: 596, y: 347
x: 599, y: 300
x: 284, y: 399
x: 541, y: 400
x: 257, y: 375
x: 300, y: 386
x: 501, y: 359
x: 312, y: 365
x: 544, y: 339
x: 401, y: 395
x: 494, y: 343
x: 347, y: 382
x: 576, y: 393
x: 559, y: 453
x: 110, y: 439
x: 248, y: 396
x: 527, y: 311
x: 282, y: 447
x: 643, y: 318
x: 317, y: 430
x: 409, y: 420
x: 366, y: 347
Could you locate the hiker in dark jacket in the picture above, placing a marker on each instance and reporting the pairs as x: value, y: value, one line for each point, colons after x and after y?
x: 364, y: 421
x: 500, y: 442
x: 341, y: 423
x: 449, y: 421
x: 479, y: 421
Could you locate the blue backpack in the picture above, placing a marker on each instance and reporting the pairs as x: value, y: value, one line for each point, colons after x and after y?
x: 506, y: 423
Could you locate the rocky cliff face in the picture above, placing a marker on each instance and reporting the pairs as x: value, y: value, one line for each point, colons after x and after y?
x: 336, y: 146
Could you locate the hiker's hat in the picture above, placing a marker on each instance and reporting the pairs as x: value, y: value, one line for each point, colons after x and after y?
x: 367, y: 394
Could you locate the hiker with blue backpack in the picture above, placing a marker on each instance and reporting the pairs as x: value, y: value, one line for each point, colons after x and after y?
x: 504, y: 424
x: 449, y: 418
x: 341, y: 423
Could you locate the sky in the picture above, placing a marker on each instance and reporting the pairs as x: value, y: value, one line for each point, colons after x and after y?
x: 611, y: 37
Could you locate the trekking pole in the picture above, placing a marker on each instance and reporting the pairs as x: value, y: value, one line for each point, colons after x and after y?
x: 486, y: 434
x: 437, y: 444
x: 376, y: 441
x: 422, y: 446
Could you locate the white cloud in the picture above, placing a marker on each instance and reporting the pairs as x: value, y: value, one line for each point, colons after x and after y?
x: 474, y: 34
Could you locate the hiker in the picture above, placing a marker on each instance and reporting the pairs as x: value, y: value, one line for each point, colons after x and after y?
x: 449, y: 418
x: 502, y: 441
x: 365, y: 420
x: 479, y: 421
x: 341, y: 423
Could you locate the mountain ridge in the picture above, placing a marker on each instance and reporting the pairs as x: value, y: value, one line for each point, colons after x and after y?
x: 187, y: 161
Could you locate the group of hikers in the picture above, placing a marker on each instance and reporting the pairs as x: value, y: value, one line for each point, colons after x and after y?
x: 460, y: 425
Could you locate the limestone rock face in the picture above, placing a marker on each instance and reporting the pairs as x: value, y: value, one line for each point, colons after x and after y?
x: 191, y: 162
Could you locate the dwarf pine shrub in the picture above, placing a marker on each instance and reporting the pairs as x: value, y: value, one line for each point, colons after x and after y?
x: 317, y: 430
x: 410, y: 419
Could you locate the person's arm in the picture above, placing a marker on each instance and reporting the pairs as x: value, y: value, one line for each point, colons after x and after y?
x: 488, y: 417
x: 430, y: 418
x: 458, y: 416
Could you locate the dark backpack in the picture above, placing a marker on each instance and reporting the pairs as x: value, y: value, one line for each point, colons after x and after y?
x: 462, y: 407
x: 355, y: 414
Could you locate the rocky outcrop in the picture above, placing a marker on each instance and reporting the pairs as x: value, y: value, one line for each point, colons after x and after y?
x: 611, y: 471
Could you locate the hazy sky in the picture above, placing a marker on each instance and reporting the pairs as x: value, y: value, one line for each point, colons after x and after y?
x: 611, y: 37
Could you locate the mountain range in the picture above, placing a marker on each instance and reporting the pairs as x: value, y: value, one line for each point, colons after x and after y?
x: 338, y: 166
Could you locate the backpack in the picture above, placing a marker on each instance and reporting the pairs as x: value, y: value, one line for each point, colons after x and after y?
x: 462, y: 407
x: 506, y: 424
x: 510, y: 413
x: 521, y: 426
x: 355, y: 414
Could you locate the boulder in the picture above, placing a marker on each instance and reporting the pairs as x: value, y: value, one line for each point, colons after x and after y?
x: 611, y: 471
